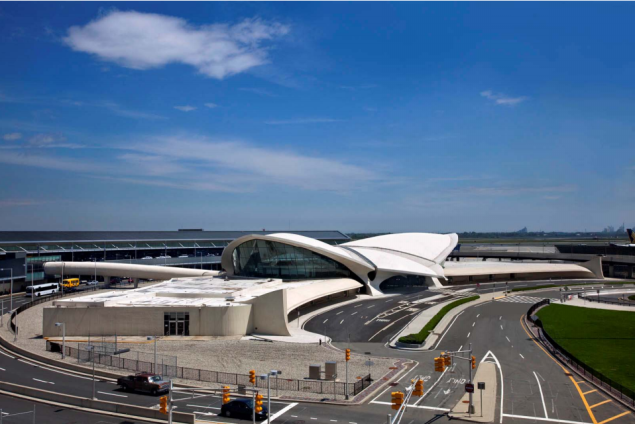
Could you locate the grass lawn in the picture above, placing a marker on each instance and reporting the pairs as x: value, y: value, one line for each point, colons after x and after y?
x: 602, y: 339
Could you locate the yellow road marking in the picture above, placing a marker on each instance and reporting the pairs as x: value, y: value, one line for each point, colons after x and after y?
x: 581, y: 381
x: 601, y: 403
x: 590, y: 391
x: 586, y: 404
x: 617, y: 416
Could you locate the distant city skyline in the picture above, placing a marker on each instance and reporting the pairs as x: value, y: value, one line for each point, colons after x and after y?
x: 359, y: 117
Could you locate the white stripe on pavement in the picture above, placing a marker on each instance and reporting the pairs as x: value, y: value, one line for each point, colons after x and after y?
x: 112, y: 394
x: 282, y: 411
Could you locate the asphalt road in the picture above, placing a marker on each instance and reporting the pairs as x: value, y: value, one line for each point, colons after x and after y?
x: 535, y: 387
x: 374, y: 320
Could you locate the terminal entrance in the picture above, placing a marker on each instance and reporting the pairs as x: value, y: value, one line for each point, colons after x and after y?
x: 176, y: 324
x: 403, y: 283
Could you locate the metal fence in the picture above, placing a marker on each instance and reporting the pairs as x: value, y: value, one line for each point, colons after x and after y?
x: 625, y: 394
x: 294, y: 385
x: 599, y: 299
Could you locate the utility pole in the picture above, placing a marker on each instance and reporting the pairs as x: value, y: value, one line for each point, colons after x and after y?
x: 170, y: 404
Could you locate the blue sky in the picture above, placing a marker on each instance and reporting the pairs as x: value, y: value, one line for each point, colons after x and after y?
x: 350, y: 116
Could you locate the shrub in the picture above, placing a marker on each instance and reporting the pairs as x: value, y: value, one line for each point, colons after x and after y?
x: 421, y: 336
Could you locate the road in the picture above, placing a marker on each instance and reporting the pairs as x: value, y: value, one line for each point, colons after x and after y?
x: 535, y: 387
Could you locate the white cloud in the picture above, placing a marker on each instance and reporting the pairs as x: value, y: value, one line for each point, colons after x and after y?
x: 9, y: 203
x: 248, y: 166
x: 146, y: 40
x: 502, y: 99
x: 185, y: 108
x: 302, y: 121
x: 12, y: 136
x: 259, y: 91
x: 211, y: 105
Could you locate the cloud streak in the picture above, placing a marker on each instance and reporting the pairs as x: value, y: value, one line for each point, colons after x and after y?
x: 502, y: 99
x: 302, y: 121
x: 12, y: 136
x: 146, y: 40
x: 185, y: 108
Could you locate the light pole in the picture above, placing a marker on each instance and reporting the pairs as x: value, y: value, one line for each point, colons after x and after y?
x: 9, y: 269
x: 155, y: 351
x: 200, y: 253
x: 92, y: 349
x: 95, y: 261
x: 63, y: 325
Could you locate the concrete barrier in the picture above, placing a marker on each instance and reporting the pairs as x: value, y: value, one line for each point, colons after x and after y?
x: 101, y: 405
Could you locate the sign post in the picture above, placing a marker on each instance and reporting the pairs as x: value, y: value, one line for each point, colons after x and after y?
x: 481, y: 387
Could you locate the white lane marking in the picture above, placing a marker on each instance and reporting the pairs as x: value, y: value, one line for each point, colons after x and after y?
x: 112, y: 394
x: 468, y: 334
x: 325, y: 321
x: 415, y: 406
x: 400, y: 378
x: 2, y: 369
x: 500, y: 318
x: 474, y: 323
x: 460, y: 348
x: 333, y: 421
x: 358, y: 305
x: 508, y: 339
x: 542, y: 419
x: 316, y: 418
x: 42, y: 381
x: 372, y: 306
x: 500, y: 370
x: 520, y: 285
x: 340, y: 312
x: 341, y: 322
x: 353, y: 313
x: 199, y: 406
x: 294, y: 416
x: 478, y: 315
x: 541, y: 396
x: 282, y: 411
x: 57, y: 371
x: 351, y: 422
x: 501, y: 327
x: 521, y: 355
x: 446, y: 331
x: 6, y: 354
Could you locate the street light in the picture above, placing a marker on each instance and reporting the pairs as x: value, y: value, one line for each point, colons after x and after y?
x: 63, y: 325
x: 155, y: 351
x: 92, y: 349
x: 9, y: 269
x: 268, y: 378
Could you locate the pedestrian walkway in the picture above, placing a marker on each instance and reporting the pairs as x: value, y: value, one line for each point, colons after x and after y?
x: 520, y: 299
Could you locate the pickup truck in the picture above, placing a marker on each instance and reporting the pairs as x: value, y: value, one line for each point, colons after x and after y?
x: 143, y: 382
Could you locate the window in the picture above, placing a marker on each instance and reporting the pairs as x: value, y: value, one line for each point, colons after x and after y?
x: 263, y: 258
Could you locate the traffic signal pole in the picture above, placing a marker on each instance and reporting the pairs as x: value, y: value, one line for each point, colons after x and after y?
x: 170, y: 404
x: 471, y: 406
x: 440, y: 364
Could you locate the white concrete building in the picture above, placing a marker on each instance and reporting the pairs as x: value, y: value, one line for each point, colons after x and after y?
x: 269, y: 276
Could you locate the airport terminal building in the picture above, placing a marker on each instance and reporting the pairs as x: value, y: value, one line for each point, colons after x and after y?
x: 267, y: 278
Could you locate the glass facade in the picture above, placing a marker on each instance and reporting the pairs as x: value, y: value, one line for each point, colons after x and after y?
x: 269, y: 259
x: 401, y: 281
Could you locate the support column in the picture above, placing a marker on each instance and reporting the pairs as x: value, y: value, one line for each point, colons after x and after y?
x: 630, y: 271
x: 611, y: 271
x: 136, y: 282
x: 107, y: 280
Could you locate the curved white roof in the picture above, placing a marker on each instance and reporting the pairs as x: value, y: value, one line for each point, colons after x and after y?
x: 431, y: 247
x: 394, y: 262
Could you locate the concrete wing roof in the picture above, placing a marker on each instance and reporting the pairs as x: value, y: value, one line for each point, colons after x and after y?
x: 457, y: 269
x: 386, y: 260
x: 432, y: 247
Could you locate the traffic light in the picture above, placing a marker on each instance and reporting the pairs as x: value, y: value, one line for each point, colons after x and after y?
x: 163, y: 405
x: 397, y: 400
x: 258, y: 402
x: 252, y: 377
x: 447, y: 360
x: 439, y: 364
x: 418, y: 391
x: 473, y: 362
x: 226, y: 398
x: 348, y: 354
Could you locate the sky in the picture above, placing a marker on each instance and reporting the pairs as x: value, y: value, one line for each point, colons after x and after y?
x: 359, y: 117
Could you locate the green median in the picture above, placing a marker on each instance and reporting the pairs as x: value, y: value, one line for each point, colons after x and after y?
x: 602, y: 339
x: 420, y: 337
x: 631, y: 297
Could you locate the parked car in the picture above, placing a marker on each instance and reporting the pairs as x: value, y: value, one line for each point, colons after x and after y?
x: 92, y: 283
x: 242, y: 408
x: 144, y: 382
x: 147, y: 257
x: 183, y: 256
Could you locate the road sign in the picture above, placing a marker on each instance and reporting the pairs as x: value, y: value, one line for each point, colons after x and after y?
x: 469, y: 388
x: 481, y: 386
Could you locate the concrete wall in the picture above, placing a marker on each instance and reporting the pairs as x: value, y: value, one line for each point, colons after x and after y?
x: 146, y: 321
x: 270, y: 314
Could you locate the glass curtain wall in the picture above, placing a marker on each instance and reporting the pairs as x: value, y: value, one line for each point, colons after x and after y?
x: 268, y: 259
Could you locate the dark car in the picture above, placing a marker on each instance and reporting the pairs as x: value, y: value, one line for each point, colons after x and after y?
x: 144, y: 382
x: 242, y: 408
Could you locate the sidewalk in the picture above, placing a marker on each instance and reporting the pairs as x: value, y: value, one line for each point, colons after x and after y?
x: 595, y: 305
x: 424, y: 317
x: 483, y: 412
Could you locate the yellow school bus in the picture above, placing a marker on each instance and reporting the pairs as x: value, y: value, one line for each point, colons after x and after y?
x: 70, y: 283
